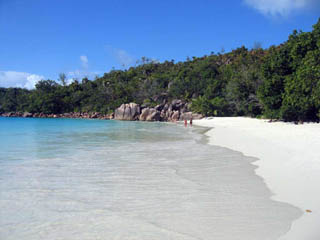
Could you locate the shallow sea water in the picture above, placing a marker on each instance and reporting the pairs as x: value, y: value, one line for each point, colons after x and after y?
x: 90, y: 179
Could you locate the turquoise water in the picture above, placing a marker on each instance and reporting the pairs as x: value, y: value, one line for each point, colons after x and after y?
x: 25, y: 139
x: 93, y: 179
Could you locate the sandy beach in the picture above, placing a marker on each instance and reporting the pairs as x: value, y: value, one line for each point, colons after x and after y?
x: 289, y: 162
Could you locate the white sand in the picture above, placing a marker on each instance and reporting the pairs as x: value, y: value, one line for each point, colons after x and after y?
x: 289, y: 162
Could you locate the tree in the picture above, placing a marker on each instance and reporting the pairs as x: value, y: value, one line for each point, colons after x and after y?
x: 302, y: 91
x: 274, y: 71
x: 63, y: 79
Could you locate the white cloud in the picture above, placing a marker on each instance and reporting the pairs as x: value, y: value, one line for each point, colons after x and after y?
x: 84, y: 61
x: 83, y: 72
x: 79, y: 74
x: 19, y: 79
x: 32, y: 81
x: 280, y: 7
x: 121, y: 55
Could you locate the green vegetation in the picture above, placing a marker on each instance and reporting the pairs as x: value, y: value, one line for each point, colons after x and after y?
x: 282, y: 82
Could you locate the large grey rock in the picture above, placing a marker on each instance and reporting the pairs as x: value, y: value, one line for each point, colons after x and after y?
x: 159, y: 107
x: 168, y: 114
x: 175, y: 116
x: 165, y: 107
x: 150, y: 114
x: 145, y: 112
x: 129, y: 111
x: 163, y: 115
x: 155, y: 116
x: 177, y: 104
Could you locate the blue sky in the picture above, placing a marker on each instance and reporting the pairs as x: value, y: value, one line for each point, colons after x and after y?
x: 42, y: 38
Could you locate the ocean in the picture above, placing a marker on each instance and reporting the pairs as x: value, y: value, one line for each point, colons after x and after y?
x: 94, y: 179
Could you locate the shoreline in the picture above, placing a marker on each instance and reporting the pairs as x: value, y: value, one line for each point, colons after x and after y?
x: 289, y: 162
x: 73, y: 115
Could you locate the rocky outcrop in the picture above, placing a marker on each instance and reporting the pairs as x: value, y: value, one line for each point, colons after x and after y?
x: 176, y: 110
x: 150, y: 114
x: 177, y: 104
x: 174, y: 116
x: 63, y: 115
x: 129, y: 111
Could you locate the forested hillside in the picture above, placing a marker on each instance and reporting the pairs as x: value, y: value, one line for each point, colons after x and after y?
x: 282, y: 82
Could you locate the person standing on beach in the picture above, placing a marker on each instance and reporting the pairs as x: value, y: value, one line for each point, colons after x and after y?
x: 185, y: 123
x: 191, y: 121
